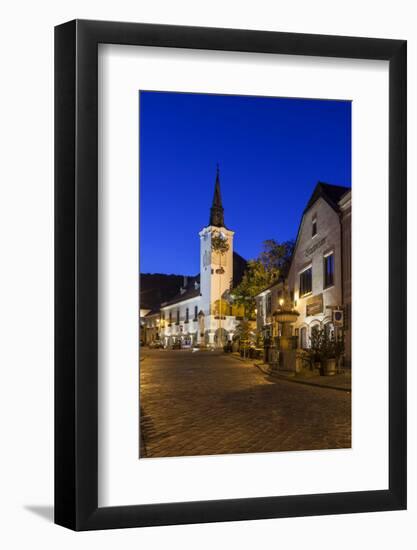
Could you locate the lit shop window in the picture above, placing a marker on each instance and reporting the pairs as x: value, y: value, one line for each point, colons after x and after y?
x: 306, y: 282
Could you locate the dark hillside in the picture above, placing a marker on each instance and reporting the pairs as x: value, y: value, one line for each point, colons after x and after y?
x: 156, y: 288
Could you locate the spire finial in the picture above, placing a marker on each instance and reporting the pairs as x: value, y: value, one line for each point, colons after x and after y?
x: 216, y: 211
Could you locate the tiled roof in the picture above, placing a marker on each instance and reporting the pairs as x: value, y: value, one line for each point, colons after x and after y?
x: 191, y: 293
x: 330, y: 193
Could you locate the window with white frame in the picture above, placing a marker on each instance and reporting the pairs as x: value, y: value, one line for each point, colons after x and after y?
x: 306, y: 281
x: 328, y: 270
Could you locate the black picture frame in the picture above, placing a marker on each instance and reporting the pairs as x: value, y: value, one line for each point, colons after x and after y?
x: 76, y: 272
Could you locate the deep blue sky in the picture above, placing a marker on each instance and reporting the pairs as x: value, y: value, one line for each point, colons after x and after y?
x: 271, y: 151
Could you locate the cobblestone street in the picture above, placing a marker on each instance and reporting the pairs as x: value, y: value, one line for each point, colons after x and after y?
x: 212, y: 403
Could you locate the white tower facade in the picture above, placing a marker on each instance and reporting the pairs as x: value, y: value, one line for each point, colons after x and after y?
x: 216, y: 270
x: 216, y: 273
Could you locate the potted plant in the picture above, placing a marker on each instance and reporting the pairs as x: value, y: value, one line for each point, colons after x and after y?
x: 227, y: 348
x: 325, y: 351
x: 333, y: 349
x: 316, y: 350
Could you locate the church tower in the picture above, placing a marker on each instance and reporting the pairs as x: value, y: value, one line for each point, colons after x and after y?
x: 216, y: 267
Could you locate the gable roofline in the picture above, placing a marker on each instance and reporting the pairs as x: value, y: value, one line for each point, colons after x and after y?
x: 330, y: 193
x: 277, y: 282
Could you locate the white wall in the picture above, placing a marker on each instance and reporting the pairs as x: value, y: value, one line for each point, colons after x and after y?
x: 26, y: 167
x: 211, y: 288
x: 328, y: 228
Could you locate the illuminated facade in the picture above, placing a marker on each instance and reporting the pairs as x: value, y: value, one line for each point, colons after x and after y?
x: 319, y: 280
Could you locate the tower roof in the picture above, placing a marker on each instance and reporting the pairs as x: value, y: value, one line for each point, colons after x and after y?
x: 217, y: 210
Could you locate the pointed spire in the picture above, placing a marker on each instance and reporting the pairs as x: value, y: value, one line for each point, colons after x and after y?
x: 216, y: 210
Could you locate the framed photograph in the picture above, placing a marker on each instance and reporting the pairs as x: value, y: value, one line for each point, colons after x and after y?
x: 230, y: 337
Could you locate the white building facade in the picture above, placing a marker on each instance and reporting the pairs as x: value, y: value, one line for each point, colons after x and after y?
x: 315, y: 276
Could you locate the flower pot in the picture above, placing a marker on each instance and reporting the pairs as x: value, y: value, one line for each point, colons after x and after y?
x: 330, y: 367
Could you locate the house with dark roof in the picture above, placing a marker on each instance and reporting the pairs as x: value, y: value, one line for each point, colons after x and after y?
x: 318, y: 286
x: 202, y: 312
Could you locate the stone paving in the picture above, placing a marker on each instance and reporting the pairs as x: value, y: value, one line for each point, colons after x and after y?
x: 206, y: 403
x: 337, y: 381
